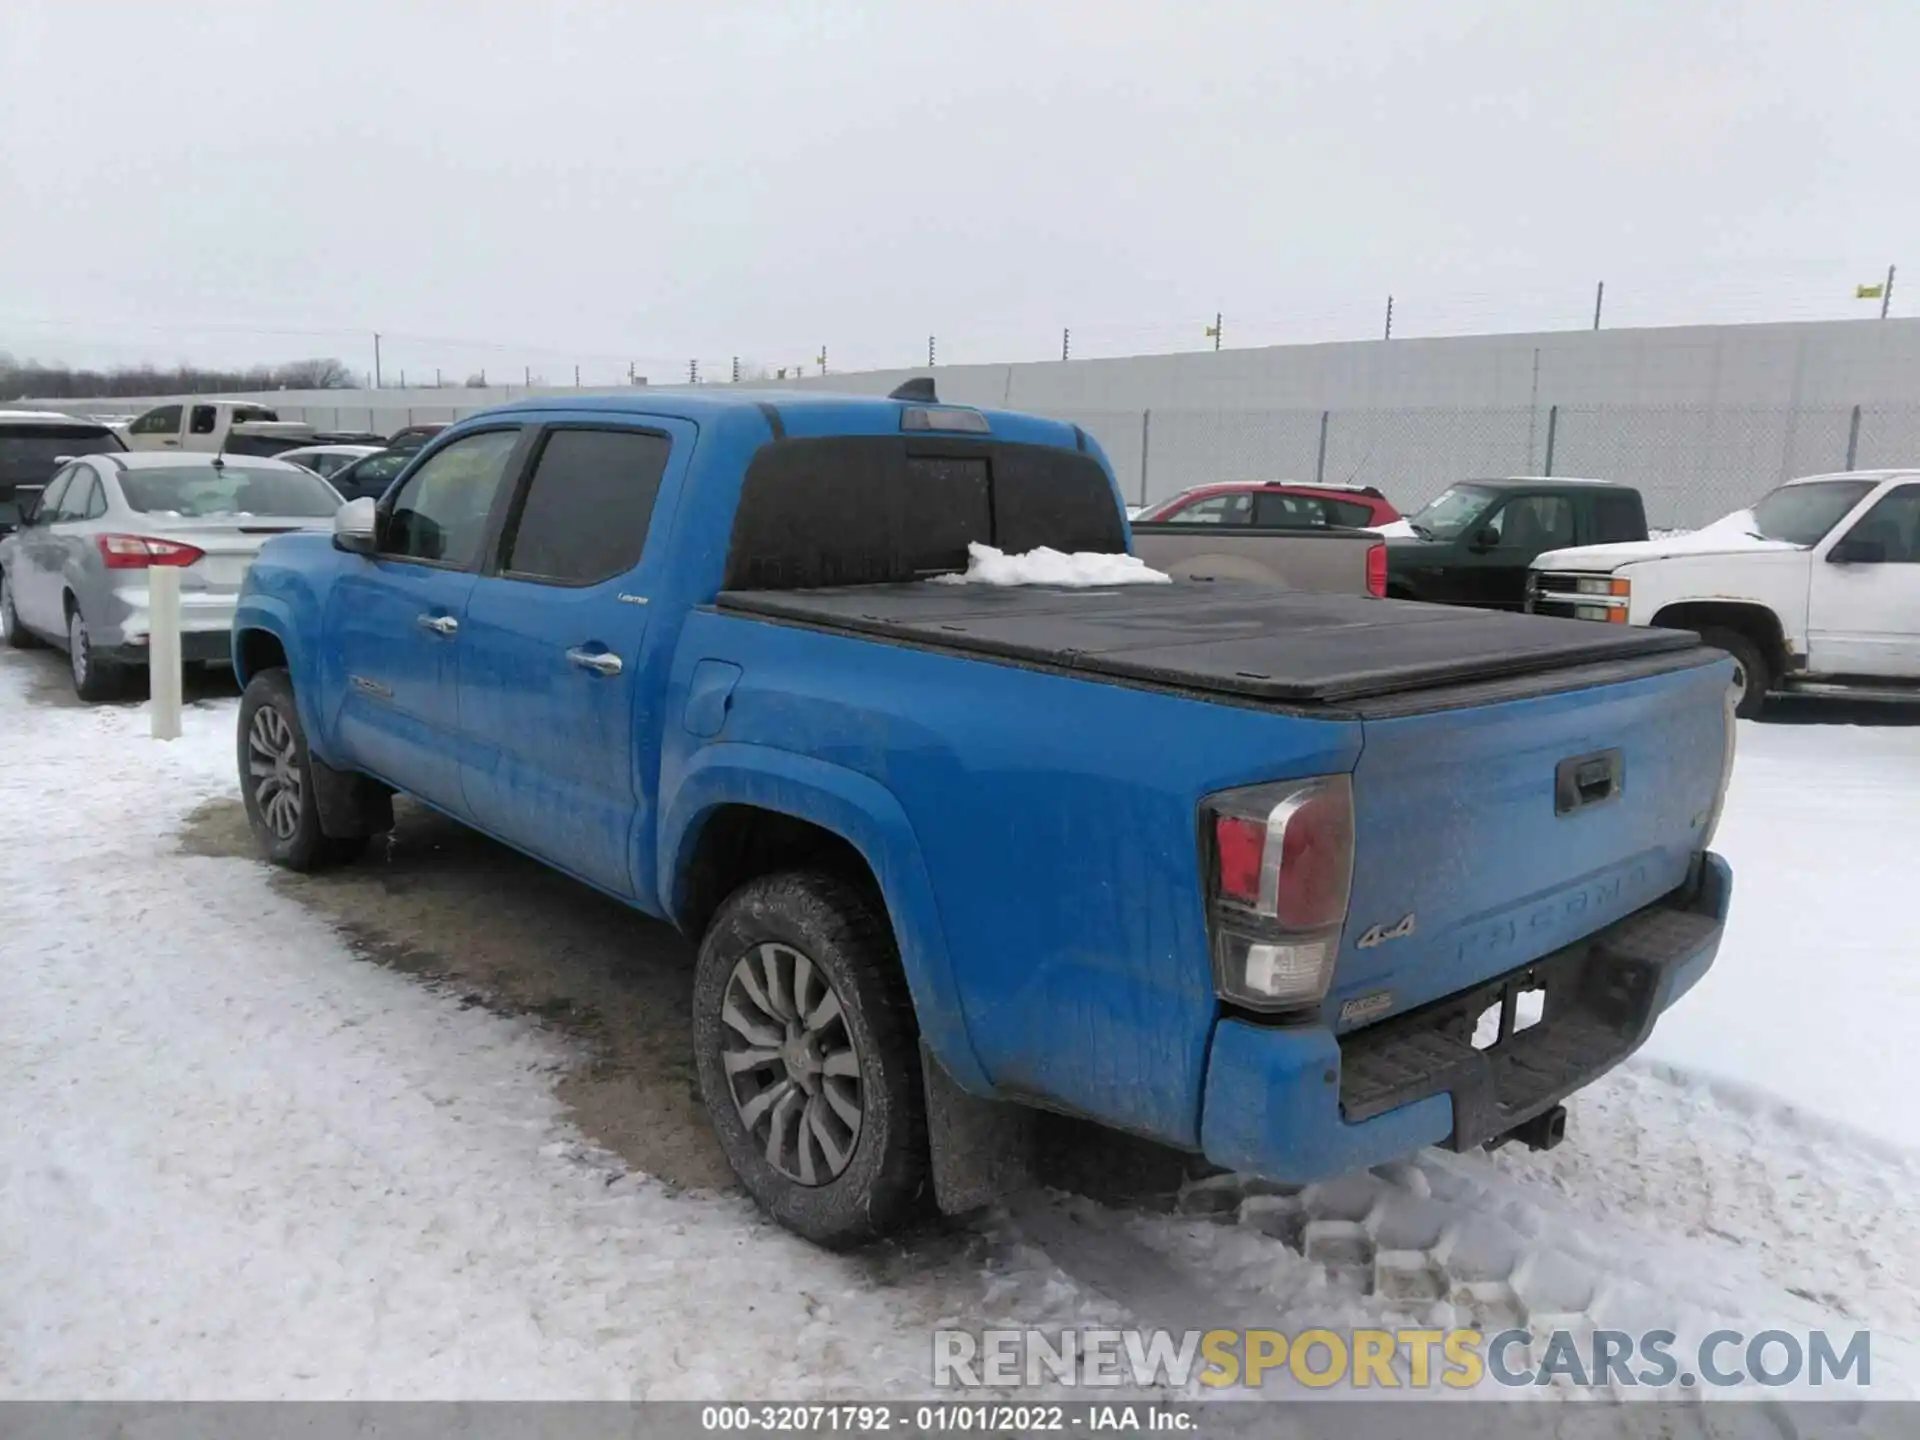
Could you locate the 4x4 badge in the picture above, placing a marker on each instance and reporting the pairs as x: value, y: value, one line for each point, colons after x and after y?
x: 1380, y: 934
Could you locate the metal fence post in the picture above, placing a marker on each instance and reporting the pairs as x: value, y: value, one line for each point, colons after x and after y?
x: 163, y: 651
x: 1553, y: 429
x: 1146, y: 436
x: 1853, y: 437
x: 1320, y: 460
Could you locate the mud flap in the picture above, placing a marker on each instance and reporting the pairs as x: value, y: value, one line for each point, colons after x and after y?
x: 982, y: 1149
x: 350, y: 804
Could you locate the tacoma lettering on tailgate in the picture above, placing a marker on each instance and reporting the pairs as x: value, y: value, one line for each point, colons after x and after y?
x: 1539, y: 928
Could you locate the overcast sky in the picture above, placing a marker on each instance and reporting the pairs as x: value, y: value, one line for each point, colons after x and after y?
x: 599, y: 181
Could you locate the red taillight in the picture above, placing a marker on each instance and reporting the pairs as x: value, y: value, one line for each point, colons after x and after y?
x: 1242, y: 844
x: 1316, y: 863
x: 1377, y: 571
x: 1281, y: 874
x: 138, y: 552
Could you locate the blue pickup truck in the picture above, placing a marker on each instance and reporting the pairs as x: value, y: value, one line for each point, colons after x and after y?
x: 1300, y: 882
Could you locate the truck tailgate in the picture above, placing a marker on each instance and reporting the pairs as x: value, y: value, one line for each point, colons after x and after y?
x: 1489, y: 836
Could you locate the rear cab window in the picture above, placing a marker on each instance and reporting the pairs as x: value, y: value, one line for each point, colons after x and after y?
x: 871, y: 510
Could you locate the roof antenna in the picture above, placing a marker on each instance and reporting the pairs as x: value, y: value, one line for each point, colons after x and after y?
x: 918, y: 391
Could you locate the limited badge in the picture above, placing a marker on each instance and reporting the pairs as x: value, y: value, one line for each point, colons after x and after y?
x: 1366, y: 1007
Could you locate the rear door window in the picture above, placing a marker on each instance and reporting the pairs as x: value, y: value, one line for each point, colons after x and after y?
x: 204, y: 418
x: 1615, y: 518
x: 1235, y: 509
x: 587, y: 506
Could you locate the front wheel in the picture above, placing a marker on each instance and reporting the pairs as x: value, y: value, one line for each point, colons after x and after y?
x: 1752, y: 675
x: 276, y: 780
x: 809, y: 1059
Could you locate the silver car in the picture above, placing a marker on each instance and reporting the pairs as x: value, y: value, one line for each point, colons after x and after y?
x: 75, y: 572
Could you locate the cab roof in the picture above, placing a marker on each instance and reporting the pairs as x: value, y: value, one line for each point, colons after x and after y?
x: 791, y: 412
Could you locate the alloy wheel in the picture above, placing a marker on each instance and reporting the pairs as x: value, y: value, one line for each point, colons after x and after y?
x: 792, y: 1063
x: 273, y: 762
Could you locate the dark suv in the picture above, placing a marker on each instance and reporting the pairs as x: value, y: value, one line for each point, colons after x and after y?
x: 1472, y: 544
x: 34, y: 445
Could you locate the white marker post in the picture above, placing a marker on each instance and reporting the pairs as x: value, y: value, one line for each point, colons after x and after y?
x: 163, y: 650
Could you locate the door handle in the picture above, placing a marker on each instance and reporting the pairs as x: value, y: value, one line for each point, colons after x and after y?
x: 598, y: 661
x: 439, y: 624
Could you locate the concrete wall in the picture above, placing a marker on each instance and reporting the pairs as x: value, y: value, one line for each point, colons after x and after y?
x: 1702, y: 418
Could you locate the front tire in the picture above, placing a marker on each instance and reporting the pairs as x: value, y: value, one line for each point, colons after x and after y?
x: 94, y: 679
x: 276, y: 780
x: 809, y: 1058
x: 11, y: 630
x: 1753, y: 677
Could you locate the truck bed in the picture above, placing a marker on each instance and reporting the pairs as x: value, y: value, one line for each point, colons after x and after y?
x: 1240, y: 640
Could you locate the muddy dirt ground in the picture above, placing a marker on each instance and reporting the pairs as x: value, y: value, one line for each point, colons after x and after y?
x: 440, y: 901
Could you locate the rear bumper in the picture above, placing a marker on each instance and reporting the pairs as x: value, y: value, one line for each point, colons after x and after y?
x: 122, y: 632
x: 1300, y: 1103
x: 213, y: 647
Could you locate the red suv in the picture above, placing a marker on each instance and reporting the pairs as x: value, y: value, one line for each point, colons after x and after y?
x: 1275, y: 504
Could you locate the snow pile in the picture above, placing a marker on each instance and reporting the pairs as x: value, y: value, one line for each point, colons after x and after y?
x: 1081, y: 570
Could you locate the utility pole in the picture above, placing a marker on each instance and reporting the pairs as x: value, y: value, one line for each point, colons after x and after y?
x: 736, y: 369
x: 436, y: 377
x: 629, y: 372
x: 693, y: 372
x: 403, y: 379
x: 1599, y: 294
x: 1389, y: 334
x: 376, y: 359
x: 526, y: 377
x: 576, y: 377
x: 930, y: 352
x: 1066, y: 343
x: 1886, y: 295
x: 822, y: 357
x: 1214, y: 330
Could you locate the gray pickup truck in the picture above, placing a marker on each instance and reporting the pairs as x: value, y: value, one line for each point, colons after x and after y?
x: 1333, y: 561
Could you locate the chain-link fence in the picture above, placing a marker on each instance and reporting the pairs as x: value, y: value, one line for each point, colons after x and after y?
x: 1693, y: 464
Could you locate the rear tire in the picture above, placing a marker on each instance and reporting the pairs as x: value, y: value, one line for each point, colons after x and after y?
x: 94, y: 680
x: 842, y: 1096
x: 1754, y: 676
x: 276, y: 780
x: 11, y: 630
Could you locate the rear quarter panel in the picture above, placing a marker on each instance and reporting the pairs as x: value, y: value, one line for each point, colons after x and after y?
x: 1056, y: 821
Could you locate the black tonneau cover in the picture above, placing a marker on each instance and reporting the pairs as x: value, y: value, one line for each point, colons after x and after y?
x: 1221, y: 637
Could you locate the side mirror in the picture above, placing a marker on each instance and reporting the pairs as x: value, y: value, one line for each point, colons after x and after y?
x: 355, y: 527
x: 1485, y: 538
x: 1858, y: 552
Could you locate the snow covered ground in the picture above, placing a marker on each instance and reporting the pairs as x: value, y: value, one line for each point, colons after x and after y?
x: 237, y: 1160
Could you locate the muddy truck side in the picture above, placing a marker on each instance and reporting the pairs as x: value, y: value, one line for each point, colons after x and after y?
x: 1299, y: 882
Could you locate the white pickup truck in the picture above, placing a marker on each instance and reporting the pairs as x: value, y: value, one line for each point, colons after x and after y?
x: 1815, y: 590
x: 216, y: 425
